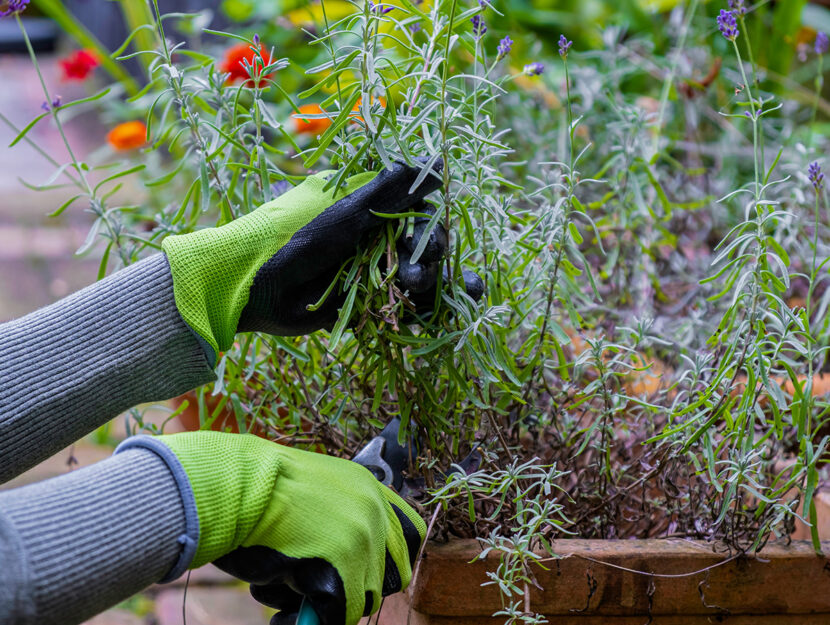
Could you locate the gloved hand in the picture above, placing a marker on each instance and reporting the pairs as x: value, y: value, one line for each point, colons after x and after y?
x: 294, y: 523
x: 259, y: 272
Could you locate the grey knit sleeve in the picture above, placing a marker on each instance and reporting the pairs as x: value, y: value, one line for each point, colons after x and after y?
x: 77, y: 544
x: 70, y: 367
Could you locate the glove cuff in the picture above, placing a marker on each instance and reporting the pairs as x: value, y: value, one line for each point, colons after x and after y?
x: 231, y: 478
x: 190, y: 539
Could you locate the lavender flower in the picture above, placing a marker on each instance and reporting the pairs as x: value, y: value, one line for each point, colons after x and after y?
x: 479, y: 27
x: 564, y: 46
x: 414, y: 28
x: 56, y: 102
x: 728, y: 25
x: 483, y: 4
x: 10, y: 7
x: 822, y: 42
x: 380, y: 9
x: 534, y: 69
x: 256, y: 39
x: 815, y: 175
x: 737, y: 7
x: 505, y: 45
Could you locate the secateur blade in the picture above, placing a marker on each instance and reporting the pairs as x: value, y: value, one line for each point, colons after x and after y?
x: 385, y: 457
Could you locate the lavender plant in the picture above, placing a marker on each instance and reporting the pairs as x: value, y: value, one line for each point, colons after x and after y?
x: 645, y: 360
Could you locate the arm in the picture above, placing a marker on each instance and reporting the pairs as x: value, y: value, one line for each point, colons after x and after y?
x: 70, y: 367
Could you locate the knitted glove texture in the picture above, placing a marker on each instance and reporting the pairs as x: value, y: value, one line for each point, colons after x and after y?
x: 265, y: 503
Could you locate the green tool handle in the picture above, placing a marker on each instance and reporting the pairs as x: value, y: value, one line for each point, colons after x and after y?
x: 307, y: 615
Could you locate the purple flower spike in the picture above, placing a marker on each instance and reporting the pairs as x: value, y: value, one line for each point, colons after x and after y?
x: 737, y: 7
x: 479, y: 27
x: 822, y: 42
x: 534, y: 69
x: 815, y: 175
x: 10, y: 7
x: 256, y: 39
x: 728, y: 25
x: 505, y: 45
x: 564, y: 46
x: 415, y: 27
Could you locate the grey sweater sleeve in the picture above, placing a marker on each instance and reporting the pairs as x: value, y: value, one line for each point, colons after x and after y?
x: 77, y: 544
x: 70, y: 367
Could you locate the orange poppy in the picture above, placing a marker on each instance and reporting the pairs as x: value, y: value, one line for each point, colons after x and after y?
x: 128, y: 136
x: 311, y: 126
x: 359, y: 102
x: 240, y: 56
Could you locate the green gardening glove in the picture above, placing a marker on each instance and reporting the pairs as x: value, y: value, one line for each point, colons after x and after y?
x: 260, y: 272
x: 293, y: 523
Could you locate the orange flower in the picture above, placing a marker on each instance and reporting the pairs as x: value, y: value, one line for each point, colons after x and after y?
x: 359, y: 102
x: 128, y: 136
x: 311, y: 126
x: 79, y: 65
x: 236, y: 59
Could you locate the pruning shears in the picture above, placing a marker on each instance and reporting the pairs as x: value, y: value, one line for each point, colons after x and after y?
x: 386, y: 458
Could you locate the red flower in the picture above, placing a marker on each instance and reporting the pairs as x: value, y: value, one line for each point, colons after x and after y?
x: 79, y: 65
x: 240, y: 55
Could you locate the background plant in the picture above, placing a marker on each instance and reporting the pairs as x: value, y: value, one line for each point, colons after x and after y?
x: 647, y: 358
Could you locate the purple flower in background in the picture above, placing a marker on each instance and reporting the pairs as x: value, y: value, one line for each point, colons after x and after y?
x: 415, y: 27
x: 483, y: 4
x: 564, y: 46
x: 728, y: 25
x: 380, y: 9
x: 534, y: 69
x: 56, y: 102
x: 738, y: 7
x: 815, y: 175
x: 10, y: 7
x: 822, y: 42
x: 505, y: 45
x: 479, y: 27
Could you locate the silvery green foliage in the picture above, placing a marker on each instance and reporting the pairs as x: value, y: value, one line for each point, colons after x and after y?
x: 655, y: 255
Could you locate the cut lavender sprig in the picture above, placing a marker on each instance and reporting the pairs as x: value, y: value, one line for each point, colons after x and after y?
x: 564, y: 46
x: 728, y: 25
x: 822, y: 43
x: 479, y: 27
x: 10, y: 7
x: 505, y: 45
x: 815, y: 175
x: 737, y: 7
x: 56, y: 102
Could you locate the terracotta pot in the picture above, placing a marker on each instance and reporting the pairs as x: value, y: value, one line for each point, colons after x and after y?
x: 789, y: 585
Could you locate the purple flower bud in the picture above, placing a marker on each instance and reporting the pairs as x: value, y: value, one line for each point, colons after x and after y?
x: 728, y: 25
x: 738, y: 7
x: 564, y: 46
x: 56, y: 102
x: 256, y: 39
x: 414, y: 28
x: 380, y: 9
x: 822, y: 42
x: 505, y: 45
x: 483, y: 4
x: 479, y: 27
x: 815, y: 175
x: 10, y: 7
x: 534, y: 69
